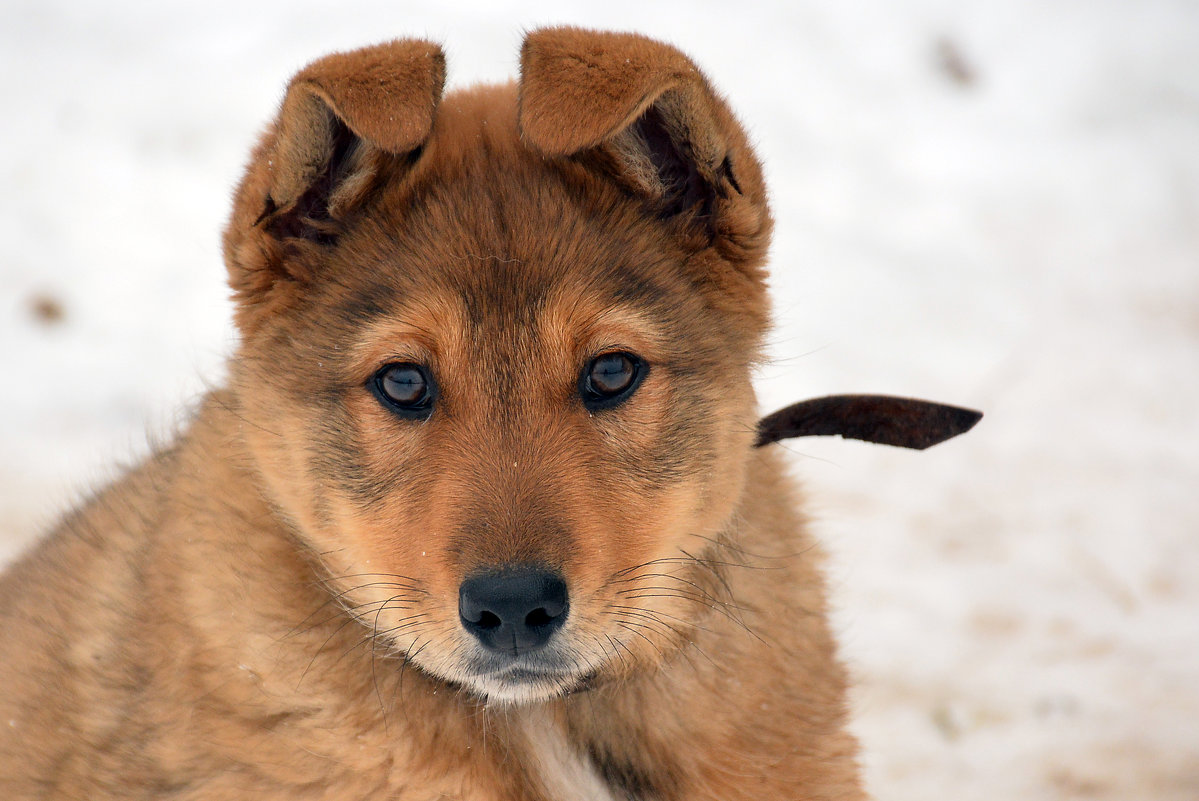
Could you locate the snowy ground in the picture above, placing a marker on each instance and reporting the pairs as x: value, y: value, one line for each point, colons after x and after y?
x: 995, y: 204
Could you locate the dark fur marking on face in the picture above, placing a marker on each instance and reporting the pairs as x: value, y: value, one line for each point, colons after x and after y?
x: 627, y: 287
x: 341, y: 457
x: 367, y: 303
x: 503, y: 292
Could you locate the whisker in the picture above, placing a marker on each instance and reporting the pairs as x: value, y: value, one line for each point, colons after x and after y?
x: 615, y: 643
x: 652, y: 644
x: 734, y: 547
x: 670, y: 576
x: 656, y: 615
x: 321, y: 650
x: 702, y: 597
x: 665, y: 629
x: 404, y: 581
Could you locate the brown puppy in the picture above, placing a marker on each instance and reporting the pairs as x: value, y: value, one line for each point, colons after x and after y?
x: 479, y: 514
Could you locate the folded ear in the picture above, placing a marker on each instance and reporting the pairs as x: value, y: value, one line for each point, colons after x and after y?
x: 648, y: 116
x: 346, y: 119
x: 340, y: 113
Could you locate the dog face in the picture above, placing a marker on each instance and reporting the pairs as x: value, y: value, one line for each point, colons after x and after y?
x: 496, y: 350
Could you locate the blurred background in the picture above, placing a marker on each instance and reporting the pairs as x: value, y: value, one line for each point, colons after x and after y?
x: 992, y: 204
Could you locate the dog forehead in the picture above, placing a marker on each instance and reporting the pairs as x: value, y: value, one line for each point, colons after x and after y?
x: 500, y: 316
x: 492, y: 240
x: 476, y: 189
x: 504, y: 226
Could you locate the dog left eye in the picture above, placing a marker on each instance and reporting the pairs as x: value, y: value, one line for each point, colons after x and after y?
x: 405, y: 388
x: 610, y: 379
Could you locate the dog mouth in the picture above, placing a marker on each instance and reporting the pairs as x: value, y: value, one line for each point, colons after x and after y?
x: 524, y: 680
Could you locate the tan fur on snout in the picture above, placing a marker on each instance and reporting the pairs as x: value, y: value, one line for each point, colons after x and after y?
x: 269, y: 607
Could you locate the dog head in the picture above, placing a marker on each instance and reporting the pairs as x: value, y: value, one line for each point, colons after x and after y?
x: 496, y: 349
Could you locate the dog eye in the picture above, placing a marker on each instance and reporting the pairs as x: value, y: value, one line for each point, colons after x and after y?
x: 405, y: 388
x: 610, y: 378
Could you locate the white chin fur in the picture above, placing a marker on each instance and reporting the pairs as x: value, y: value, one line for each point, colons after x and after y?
x: 505, y: 692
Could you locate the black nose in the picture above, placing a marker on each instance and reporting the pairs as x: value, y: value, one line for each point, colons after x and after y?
x: 513, y: 609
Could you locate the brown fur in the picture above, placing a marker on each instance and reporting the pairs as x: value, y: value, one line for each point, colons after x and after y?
x: 267, y: 609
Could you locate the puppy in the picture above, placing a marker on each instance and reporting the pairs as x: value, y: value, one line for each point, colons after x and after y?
x: 479, y: 514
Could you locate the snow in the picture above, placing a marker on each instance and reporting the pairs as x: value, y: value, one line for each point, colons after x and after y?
x: 994, y: 204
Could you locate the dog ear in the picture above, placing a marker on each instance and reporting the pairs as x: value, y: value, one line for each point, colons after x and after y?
x: 646, y: 113
x: 339, y: 116
x: 346, y: 119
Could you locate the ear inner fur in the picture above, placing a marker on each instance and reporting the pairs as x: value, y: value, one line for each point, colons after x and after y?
x: 386, y: 95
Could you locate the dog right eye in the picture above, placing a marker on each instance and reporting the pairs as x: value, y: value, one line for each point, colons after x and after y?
x: 609, y: 379
x: 405, y: 388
